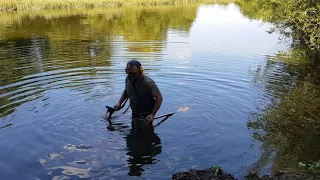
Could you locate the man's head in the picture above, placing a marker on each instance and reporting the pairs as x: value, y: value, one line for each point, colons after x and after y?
x: 134, y: 69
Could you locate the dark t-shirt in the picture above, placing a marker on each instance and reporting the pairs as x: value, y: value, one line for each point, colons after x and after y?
x: 141, y: 94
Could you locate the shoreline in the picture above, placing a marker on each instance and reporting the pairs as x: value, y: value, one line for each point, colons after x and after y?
x: 218, y: 174
x: 34, y: 5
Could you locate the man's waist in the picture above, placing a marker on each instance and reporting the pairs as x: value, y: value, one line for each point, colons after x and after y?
x: 140, y: 114
x: 141, y: 109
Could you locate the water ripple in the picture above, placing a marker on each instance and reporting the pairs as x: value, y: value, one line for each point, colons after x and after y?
x: 60, y: 73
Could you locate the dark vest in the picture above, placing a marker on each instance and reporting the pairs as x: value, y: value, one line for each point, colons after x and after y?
x: 140, y: 95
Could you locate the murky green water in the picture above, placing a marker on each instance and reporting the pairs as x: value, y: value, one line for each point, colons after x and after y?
x: 60, y: 68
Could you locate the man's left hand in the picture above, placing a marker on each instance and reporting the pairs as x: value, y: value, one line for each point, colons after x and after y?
x: 150, y: 117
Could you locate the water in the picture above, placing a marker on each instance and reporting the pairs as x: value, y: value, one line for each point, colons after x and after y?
x: 59, y: 69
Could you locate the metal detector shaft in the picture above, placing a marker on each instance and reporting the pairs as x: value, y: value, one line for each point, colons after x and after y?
x: 165, y: 115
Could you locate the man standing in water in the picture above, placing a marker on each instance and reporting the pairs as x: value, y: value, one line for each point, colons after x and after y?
x: 144, y: 95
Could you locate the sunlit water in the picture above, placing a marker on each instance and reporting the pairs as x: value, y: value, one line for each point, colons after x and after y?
x: 59, y: 70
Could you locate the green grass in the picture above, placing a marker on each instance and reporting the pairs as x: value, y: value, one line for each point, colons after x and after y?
x: 15, y: 5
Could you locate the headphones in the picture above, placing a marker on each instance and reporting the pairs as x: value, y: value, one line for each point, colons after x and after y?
x: 135, y: 63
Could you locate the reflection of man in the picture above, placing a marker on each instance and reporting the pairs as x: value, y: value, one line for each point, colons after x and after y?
x: 144, y: 95
x: 142, y: 148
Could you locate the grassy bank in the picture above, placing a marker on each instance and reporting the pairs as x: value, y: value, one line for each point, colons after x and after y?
x: 14, y: 5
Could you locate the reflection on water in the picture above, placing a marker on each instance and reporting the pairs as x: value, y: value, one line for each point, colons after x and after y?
x: 59, y: 70
x: 56, y: 46
x: 142, y: 150
x: 71, y: 171
x: 289, y: 127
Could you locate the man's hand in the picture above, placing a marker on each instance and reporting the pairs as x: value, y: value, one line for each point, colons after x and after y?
x: 150, y: 117
x: 117, y: 106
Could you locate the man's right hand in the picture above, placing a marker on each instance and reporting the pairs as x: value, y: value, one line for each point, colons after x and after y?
x: 117, y: 107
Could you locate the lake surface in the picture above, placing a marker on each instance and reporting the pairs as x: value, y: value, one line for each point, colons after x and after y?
x: 59, y: 69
